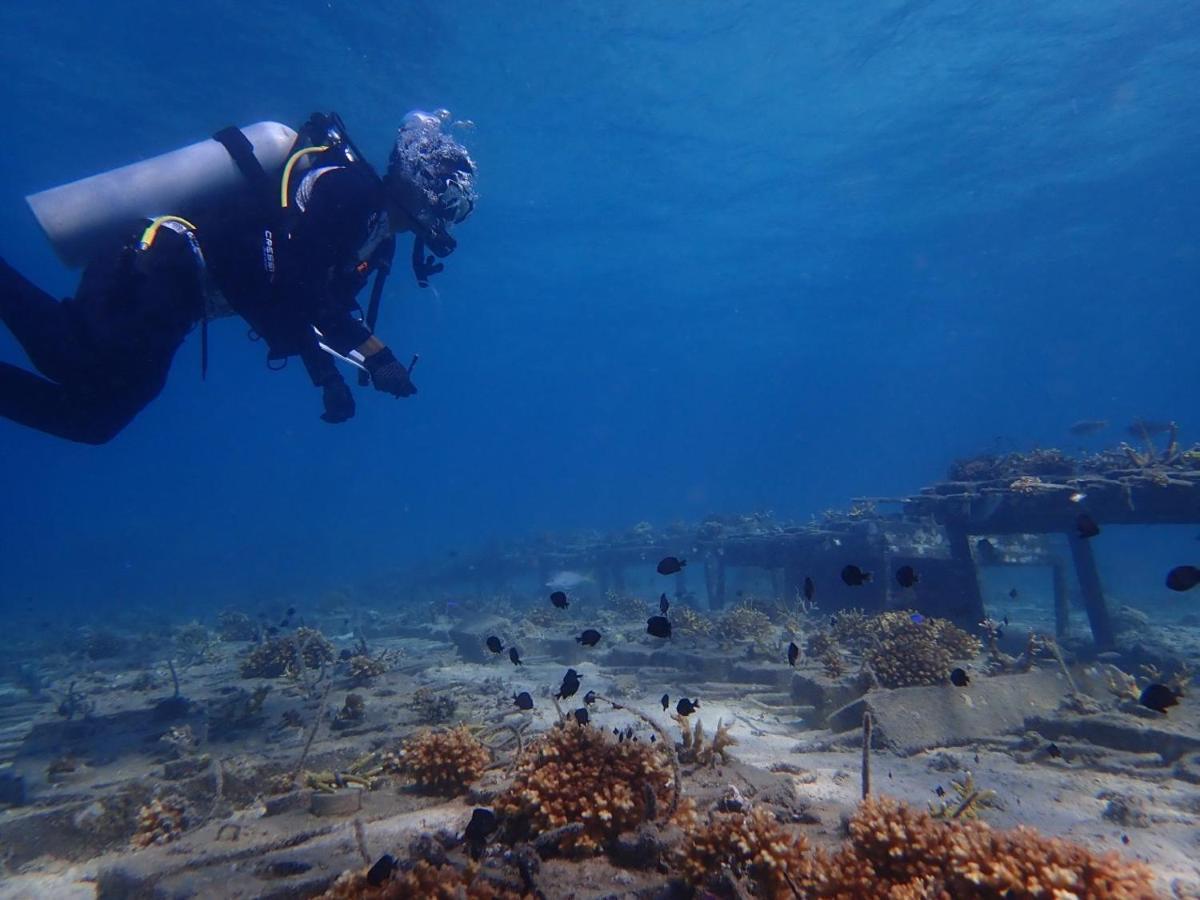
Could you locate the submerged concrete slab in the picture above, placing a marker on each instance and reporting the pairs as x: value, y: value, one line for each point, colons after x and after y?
x: 909, y: 720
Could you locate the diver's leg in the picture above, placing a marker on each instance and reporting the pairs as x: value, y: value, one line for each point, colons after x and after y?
x: 94, y: 416
x: 39, y: 322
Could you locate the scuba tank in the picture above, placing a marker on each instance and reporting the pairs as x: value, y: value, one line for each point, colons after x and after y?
x: 88, y: 215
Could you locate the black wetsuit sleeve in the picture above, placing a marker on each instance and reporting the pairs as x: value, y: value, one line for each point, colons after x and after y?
x: 323, y: 254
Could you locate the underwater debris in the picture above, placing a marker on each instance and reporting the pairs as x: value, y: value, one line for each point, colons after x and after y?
x: 692, y: 749
x: 578, y: 774
x: 432, y: 708
x: 75, y: 704
x: 234, y: 626
x: 282, y: 656
x: 445, y: 761
x: 160, y: 821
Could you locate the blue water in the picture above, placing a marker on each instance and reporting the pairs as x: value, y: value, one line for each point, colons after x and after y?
x: 728, y: 256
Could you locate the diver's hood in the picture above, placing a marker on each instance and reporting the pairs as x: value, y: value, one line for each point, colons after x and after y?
x: 432, y: 178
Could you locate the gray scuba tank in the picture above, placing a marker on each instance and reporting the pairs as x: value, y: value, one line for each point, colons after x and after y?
x: 85, y: 216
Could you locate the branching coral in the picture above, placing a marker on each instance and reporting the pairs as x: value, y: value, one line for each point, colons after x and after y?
x: 445, y: 760
x: 910, y: 655
x: 833, y: 664
x: 899, y: 853
x: 689, y: 623
x: 233, y: 625
x: 968, y: 800
x: 363, y: 668
x: 160, y: 821
x: 423, y: 880
x: 432, y: 708
x: 693, y: 749
x: 282, y: 656
x: 751, y: 846
x: 580, y: 774
x: 746, y: 622
x: 196, y: 644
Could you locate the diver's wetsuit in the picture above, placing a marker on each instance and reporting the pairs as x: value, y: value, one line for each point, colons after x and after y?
x: 320, y: 265
x: 105, y: 352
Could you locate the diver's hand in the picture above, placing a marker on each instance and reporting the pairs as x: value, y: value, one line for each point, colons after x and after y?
x: 388, y: 375
x: 339, y: 402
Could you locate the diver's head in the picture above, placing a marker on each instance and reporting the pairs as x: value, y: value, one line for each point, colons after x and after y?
x: 431, y: 179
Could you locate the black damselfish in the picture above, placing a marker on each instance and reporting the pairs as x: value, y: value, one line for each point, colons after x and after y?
x: 666, y: 701
x: 570, y: 684
x: 906, y: 576
x: 493, y: 644
x: 959, y: 678
x: 589, y: 638
x: 581, y: 715
x: 483, y: 822
x: 382, y: 870
x: 663, y: 603
x: 686, y: 707
x: 1159, y: 697
x: 523, y: 700
x: 559, y: 599
x: 669, y: 565
x: 854, y: 576
x: 809, y: 589
x: 793, y: 653
x: 658, y: 626
x: 515, y: 656
x: 1183, y: 578
x: 1086, y: 526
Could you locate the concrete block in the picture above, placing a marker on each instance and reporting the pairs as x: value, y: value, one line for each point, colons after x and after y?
x: 909, y: 720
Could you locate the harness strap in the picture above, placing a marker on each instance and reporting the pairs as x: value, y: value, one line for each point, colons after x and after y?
x: 241, y: 151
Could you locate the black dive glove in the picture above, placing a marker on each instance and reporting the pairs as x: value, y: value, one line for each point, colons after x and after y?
x: 388, y: 375
x: 339, y: 402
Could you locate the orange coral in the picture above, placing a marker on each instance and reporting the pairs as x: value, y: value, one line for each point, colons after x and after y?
x: 445, y: 760
x: 160, y: 821
x: 422, y: 881
x: 750, y: 845
x: 580, y: 774
x: 896, y: 852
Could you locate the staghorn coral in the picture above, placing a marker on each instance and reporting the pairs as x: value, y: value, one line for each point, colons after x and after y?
x: 233, y: 625
x: 849, y: 627
x: 896, y: 852
x: 819, y: 643
x: 160, y: 821
x: 419, y: 881
x: 101, y: 643
x: 910, y: 655
x: 833, y: 664
x: 745, y: 622
x: 687, y: 622
x: 693, y: 749
x: 446, y: 761
x: 580, y: 774
x: 363, y: 669
x: 751, y: 846
x: 196, y: 644
x: 969, y: 799
x: 956, y: 642
x: 281, y: 656
x: 430, y: 708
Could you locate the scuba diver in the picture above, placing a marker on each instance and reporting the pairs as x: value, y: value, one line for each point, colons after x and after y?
x: 282, y: 228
